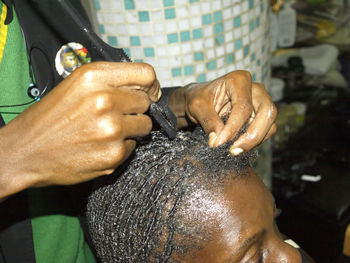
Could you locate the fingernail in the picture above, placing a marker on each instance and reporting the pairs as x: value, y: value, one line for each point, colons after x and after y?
x: 212, y: 138
x: 236, y: 151
x: 251, y: 118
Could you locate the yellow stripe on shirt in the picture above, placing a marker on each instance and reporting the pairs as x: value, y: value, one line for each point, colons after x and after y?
x: 3, y: 30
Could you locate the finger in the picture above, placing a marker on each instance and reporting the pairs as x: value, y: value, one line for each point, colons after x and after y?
x: 136, y: 125
x: 271, y: 132
x: 129, y: 148
x: 262, y: 123
x: 239, y: 88
x: 116, y: 74
x: 154, y: 92
x: 208, y: 118
x: 130, y: 101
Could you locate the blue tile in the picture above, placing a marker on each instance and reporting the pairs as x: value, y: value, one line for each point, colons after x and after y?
x: 229, y: 58
x: 101, y: 28
x: 238, y: 44
x: 97, y: 4
x: 143, y: 16
x: 197, y: 33
x: 168, y: 3
x: 185, y: 36
x: 258, y: 62
x: 173, y: 38
x: 176, y: 72
x: 127, y: 51
x: 218, y: 28
x: 129, y: 4
x: 193, y: 1
x: 189, y: 70
x: 201, y: 78
x: 148, y: 51
x: 257, y: 22
x: 254, y: 77
x: 262, y: 7
x: 138, y: 60
x: 112, y: 41
x: 206, y: 19
x: 217, y: 16
x: 169, y: 13
x: 237, y: 21
x: 246, y: 50
x: 252, y: 57
x: 198, y: 56
x: 219, y: 40
x: 211, y: 65
x: 135, y: 41
x: 251, y: 4
x: 251, y: 25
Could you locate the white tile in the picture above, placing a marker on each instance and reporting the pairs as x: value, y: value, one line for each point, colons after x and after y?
x: 244, y: 18
x: 162, y: 52
x: 246, y: 61
x: 228, y: 36
x: 171, y: 26
x: 245, y: 40
x: 148, y: 41
x: 200, y: 68
x: 163, y: 62
x: 136, y: 52
x: 220, y: 62
x: 208, y: 31
x: 121, y: 30
x: 165, y: 82
x: 195, y: 10
x: 239, y: 54
x: 141, y: 4
x: 133, y: 29
x: 240, y: 65
x: 190, y: 79
x: 119, y: 18
x: 237, y: 33
x: 108, y: 18
x: 154, y: 4
x: 186, y: 48
x: 205, y: 7
x: 152, y: 62
x: 159, y: 28
x: 99, y: 16
x: 184, y: 24
x: 196, y: 21
x: 110, y: 29
x: 219, y: 51
x: 222, y: 71
x: 117, y: 5
x: 228, y: 25
x: 210, y: 53
x: 227, y: 13
x: 131, y: 17
x: 104, y: 38
x: 227, y: 3
x: 245, y: 29
x: 175, y: 61
x: 245, y: 6
x: 105, y: 5
x: 208, y: 43
x: 182, y: 12
x: 178, y: 82
x: 229, y: 47
x: 174, y: 50
x: 181, y: 2
x: 159, y: 40
x: 198, y: 45
x: 211, y: 75
x: 124, y: 41
x: 236, y: 10
x: 187, y: 59
x: 164, y: 74
x: 157, y: 15
x: 231, y: 67
x: 145, y: 28
x: 216, y: 4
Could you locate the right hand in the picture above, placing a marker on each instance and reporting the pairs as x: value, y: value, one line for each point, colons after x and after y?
x: 82, y: 129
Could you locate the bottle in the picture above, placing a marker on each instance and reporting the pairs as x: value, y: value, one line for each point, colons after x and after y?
x: 287, y: 23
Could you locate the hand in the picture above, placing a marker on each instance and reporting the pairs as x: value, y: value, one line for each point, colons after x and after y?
x: 233, y: 95
x: 82, y: 129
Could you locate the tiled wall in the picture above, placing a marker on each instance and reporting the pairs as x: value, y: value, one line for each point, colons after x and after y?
x: 189, y: 40
x: 192, y: 40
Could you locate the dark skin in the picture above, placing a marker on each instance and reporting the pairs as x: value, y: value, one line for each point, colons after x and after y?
x: 243, y: 227
x: 85, y: 127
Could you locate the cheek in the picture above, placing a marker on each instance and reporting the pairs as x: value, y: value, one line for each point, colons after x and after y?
x: 277, y: 251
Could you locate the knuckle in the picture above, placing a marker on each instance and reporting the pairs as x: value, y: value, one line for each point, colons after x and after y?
x: 195, y: 104
x: 240, y: 74
x: 148, y: 72
x: 102, y: 102
x: 109, y: 127
x: 115, y: 155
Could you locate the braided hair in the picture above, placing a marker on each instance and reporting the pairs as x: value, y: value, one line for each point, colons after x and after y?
x: 152, y: 208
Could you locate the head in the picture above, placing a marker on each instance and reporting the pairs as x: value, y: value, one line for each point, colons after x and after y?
x: 181, y: 201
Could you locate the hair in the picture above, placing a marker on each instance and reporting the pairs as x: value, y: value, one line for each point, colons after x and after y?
x: 154, y: 207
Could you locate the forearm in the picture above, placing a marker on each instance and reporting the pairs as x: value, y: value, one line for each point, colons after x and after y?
x: 13, y: 178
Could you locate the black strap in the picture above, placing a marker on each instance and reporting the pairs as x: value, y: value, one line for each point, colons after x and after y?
x: 2, y: 122
x: 9, y: 15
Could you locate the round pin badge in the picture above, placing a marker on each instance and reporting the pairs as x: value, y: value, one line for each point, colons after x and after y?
x: 70, y: 57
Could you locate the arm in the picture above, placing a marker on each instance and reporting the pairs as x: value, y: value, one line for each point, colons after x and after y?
x: 82, y: 129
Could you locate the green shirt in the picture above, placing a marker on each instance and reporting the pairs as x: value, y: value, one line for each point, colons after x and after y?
x: 57, y: 235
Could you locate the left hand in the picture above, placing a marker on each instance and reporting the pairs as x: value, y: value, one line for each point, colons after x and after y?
x: 233, y: 95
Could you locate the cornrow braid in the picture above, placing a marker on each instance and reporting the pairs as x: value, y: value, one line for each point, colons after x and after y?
x: 137, y: 215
